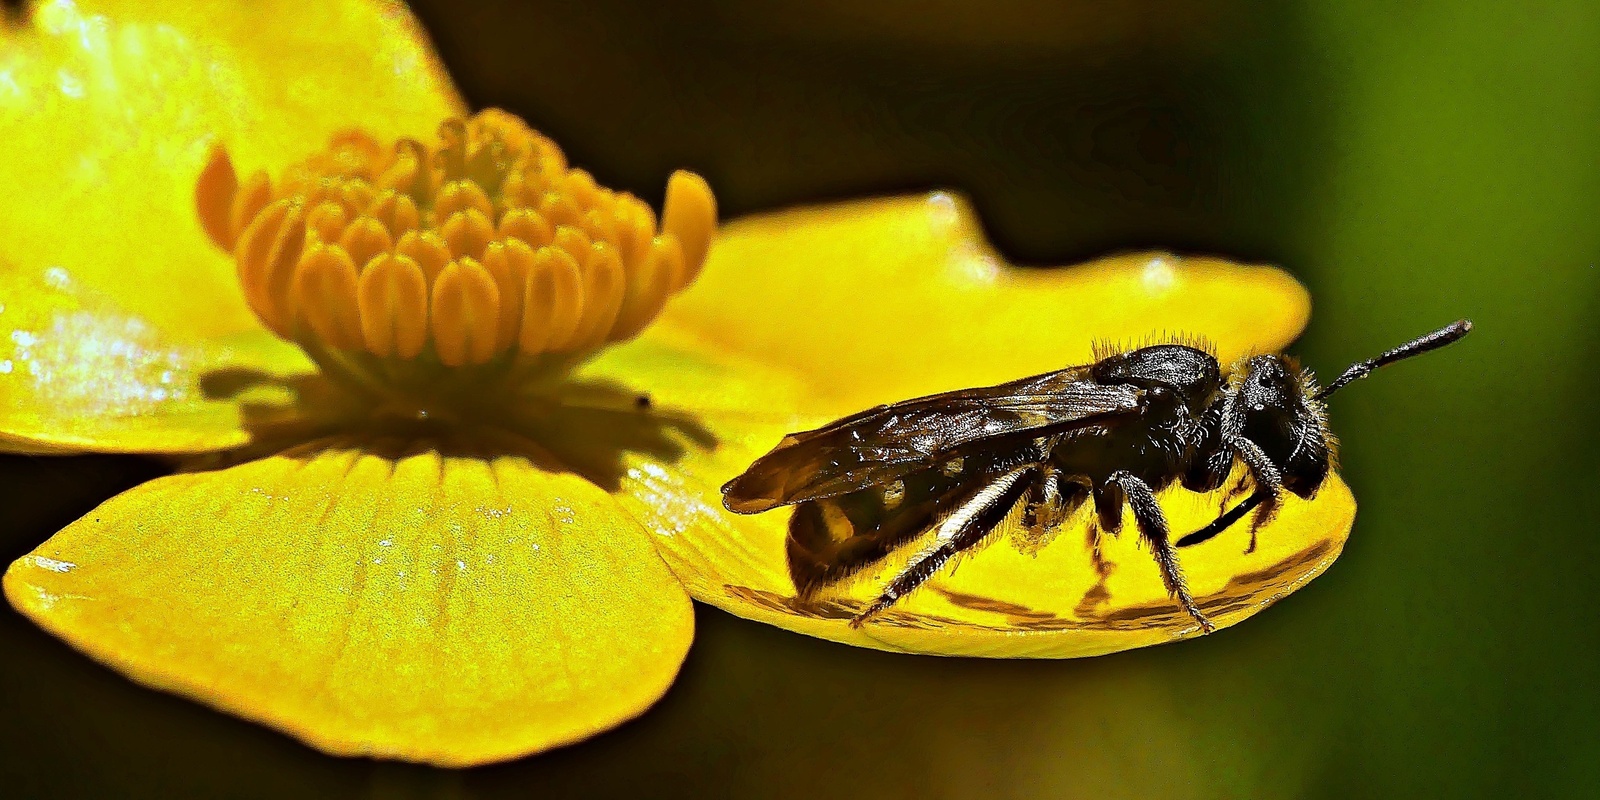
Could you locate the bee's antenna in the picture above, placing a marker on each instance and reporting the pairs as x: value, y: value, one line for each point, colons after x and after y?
x: 1422, y: 344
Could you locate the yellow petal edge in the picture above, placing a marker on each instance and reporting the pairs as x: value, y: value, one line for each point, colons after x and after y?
x: 454, y: 609
x: 880, y: 300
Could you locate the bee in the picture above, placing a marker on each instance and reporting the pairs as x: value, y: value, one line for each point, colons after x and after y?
x: 1116, y: 431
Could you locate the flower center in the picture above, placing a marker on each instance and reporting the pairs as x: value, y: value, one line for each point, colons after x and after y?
x: 484, y: 251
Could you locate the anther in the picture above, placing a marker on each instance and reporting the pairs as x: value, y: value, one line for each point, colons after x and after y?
x: 574, y: 241
x: 357, y: 196
x: 253, y: 196
x: 528, y: 226
x: 460, y: 196
x: 266, y: 254
x: 325, y: 296
x: 649, y: 287
x: 327, y: 221
x: 552, y: 302
x: 365, y: 239
x: 690, y: 213
x: 393, y: 299
x: 466, y: 309
x: 397, y: 212
x: 602, y: 295
x: 580, y: 186
x: 467, y: 232
x: 213, y: 198
x: 427, y: 250
x: 509, y: 263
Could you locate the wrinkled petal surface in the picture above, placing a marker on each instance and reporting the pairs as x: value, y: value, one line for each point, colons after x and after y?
x: 881, y: 300
x: 78, y: 372
x: 374, y: 599
x: 1013, y: 597
x: 107, y: 111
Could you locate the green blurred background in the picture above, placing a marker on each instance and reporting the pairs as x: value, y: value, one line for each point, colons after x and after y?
x: 1411, y: 163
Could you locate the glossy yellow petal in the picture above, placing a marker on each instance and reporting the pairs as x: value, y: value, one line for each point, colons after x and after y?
x: 710, y: 415
x: 881, y: 300
x: 78, y: 372
x: 452, y: 609
x: 108, y: 109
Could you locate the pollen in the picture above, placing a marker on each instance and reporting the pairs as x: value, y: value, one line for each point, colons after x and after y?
x: 481, y: 247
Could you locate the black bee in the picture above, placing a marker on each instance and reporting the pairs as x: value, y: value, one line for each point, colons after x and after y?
x: 1118, y: 431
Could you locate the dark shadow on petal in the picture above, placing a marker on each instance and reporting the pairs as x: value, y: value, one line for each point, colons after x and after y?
x: 278, y: 411
x: 592, y: 427
x: 588, y: 428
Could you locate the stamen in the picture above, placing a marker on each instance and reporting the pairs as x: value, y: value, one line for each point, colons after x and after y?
x: 460, y: 196
x: 690, y: 214
x: 266, y: 254
x: 528, y: 226
x: 398, y: 212
x: 602, y: 295
x: 552, y: 302
x: 365, y: 239
x: 327, y: 221
x: 427, y: 249
x: 393, y: 301
x: 508, y: 263
x: 213, y: 197
x: 325, y: 295
x: 466, y: 313
x: 253, y: 196
x: 484, y: 245
x: 468, y: 232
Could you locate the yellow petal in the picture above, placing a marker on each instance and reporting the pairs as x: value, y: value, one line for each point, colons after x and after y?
x: 881, y: 300
x: 78, y: 372
x: 107, y: 111
x: 710, y: 415
x: 449, y: 609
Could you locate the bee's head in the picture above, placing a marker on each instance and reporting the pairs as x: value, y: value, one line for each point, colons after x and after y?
x: 1283, y: 417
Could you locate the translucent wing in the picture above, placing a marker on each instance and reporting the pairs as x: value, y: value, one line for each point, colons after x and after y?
x: 884, y: 444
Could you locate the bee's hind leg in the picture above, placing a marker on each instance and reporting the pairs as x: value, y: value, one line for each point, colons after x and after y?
x: 1153, y: 527
x: 972, y: 520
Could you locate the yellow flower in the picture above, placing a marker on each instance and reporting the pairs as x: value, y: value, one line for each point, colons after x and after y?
x: 446, y: 488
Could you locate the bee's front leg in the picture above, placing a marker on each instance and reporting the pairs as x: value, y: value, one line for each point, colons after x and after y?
x: 1224, y: 520
x: 1268, y: 478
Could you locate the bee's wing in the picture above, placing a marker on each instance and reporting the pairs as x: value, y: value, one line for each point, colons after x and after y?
x: 882, y: 444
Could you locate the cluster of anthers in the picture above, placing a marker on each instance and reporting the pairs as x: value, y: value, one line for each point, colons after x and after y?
x: 483, y: 250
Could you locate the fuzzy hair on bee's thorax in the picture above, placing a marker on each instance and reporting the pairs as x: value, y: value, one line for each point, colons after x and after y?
x: 1103, y: 349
